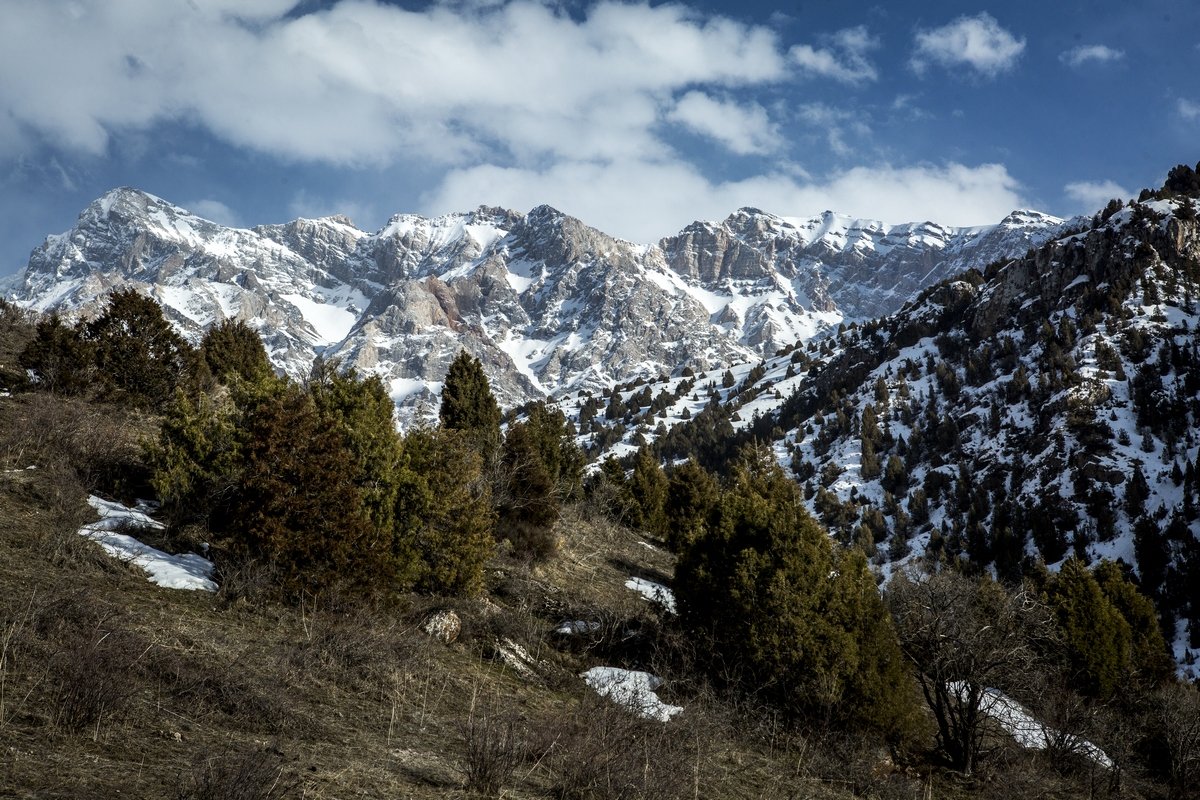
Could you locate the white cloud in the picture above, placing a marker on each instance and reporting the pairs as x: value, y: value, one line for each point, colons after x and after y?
x: 1090, y: 53
x: 834, y: 123
x: 214, y: 211
x: 1091, y: 196
x: 743, y: 129
x: 977, y: 42
x: 844, y: 60
x: 1188, y: 109
x: 643, y: 201
x: 365, y: 83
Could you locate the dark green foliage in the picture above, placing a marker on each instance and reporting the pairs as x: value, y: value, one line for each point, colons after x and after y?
x: 232, y: 347
x: 468, y: 404
x: 138, y: 355
x: 692, y: 494
x: 444, y: 517
x: 359, y: 412
x: 555, y: 445
x: 297, y: 506
x: 197, y: 461
x: 314, y: 481
x: 763, y: 583
x: 646, y: 495
x: 1149, y: 657
x: 1096, y: 636
x: 61, y: 360
x: 527, y: 497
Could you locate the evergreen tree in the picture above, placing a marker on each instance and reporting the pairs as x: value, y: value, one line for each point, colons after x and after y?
x: 444, y: 518
x: 61, y: 361
x: 232, y: 347
x: 138, y: 355
x: 764, y: 583
x: 359, y: 411
x: 646, y: 495
x: 1096, y: 636
x: 692, y: 493
x: 297, y: 506
x: 196, y: 462
x: 527, y: 497
x: 469, y: 406
x: 1149, y: 658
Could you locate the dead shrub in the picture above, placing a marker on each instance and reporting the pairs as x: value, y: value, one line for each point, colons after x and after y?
x: 99, y: 445
x: 245, y: 773
x: 353, y: 650
x: 93, y: 680
x: 493, y: 747
x: 604, y: 751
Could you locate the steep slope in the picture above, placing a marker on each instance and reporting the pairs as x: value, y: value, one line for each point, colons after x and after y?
x: 547, y: 303
x: 1043, y: 407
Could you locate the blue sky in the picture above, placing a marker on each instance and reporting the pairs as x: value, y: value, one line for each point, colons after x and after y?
x: 636, y: 117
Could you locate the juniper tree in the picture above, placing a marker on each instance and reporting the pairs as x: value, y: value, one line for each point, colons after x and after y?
x: 231, y: 347
x: 798, y: 621
x: 468, y: 404
x: 138, y: 355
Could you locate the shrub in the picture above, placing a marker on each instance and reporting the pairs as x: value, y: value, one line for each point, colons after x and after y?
x: 239, y: 773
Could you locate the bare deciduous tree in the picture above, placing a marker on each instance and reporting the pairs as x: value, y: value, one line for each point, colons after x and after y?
x: 965, y: 637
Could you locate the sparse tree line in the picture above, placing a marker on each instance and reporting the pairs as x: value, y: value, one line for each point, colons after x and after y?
x: 310, y: 479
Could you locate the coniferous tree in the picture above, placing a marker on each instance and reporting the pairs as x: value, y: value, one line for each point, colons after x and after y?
x: 138, y: 355
x: 297, y: 506
x: 60, y: 359
x: 692, y: 493
x: 527, y: 496
x: 764, y: 582
x: 469, y: 406
x: 1097, y: 638
x: 444, y: 517
x: 646, y: 495
x: 231, y: 347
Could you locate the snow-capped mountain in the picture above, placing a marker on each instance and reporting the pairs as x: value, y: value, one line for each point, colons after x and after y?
x: 547, y: 303
x: 1045, y: 406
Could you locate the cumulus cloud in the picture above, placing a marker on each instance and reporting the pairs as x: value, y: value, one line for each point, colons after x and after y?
x: 844, y: 59
x: 977, y: 42
x: 1090, y: 54
x: 362, y: 82
x: 743, y: 129
x: 1188, y: 109
x: 1091, y: 196
x: 643, y: 202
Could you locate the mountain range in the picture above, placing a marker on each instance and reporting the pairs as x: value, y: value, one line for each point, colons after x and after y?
x: 548, y: 304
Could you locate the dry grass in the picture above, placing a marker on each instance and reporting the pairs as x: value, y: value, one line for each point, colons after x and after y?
x: 111, y: 686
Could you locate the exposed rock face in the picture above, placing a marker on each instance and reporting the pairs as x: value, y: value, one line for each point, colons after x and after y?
x: 547, y: 303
